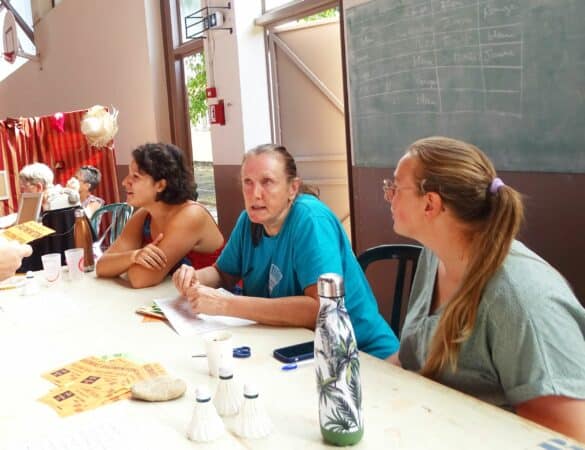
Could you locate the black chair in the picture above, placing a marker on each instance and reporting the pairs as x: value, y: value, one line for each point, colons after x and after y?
x: 403, y: 253
x: 62, y: 221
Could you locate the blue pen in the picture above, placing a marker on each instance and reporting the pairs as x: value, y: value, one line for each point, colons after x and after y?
x: 297, y: 364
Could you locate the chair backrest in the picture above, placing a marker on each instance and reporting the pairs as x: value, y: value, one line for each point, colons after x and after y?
x: 118, y: 214
x: 62, y: 221
x: 403, y: 253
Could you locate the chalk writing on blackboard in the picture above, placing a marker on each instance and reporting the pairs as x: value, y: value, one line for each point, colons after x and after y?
x: 506, y: 75
x: 435, y: 57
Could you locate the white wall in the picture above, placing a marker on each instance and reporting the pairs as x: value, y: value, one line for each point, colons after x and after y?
x: 157, y: 70
x: 105, y: 52
x: 236, y: 67
x: 109, y: 52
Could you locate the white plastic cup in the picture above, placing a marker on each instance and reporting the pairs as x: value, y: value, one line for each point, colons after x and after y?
x: 219, y: 349
x: 74, y: 259
x: 51, y: 268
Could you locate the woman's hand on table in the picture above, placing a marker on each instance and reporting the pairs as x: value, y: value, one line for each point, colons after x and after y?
x: 184, y: 278
x: 150, y: 256
x: 206, y: 300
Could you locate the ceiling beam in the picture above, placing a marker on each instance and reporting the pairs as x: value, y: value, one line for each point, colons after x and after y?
x: 21, y: 23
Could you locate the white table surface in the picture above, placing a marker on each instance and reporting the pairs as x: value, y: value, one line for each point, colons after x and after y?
x: 75, y: 320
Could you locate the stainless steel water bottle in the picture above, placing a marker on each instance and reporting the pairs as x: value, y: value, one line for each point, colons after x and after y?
x: 337, y: 366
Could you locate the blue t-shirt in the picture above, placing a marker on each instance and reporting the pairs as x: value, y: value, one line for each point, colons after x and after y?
x: 310, y: 243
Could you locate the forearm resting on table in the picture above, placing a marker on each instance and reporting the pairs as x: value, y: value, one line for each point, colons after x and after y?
x: 114, y: 264
x: 393, y: 359
x: 298, y: 311
x: 141, y: 277
x: 562, y: 414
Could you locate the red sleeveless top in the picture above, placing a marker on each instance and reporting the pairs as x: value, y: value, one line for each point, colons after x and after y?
x: 194, y: 259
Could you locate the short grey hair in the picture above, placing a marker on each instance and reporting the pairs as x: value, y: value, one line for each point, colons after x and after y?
x: 91, y: 175
x: 37, y: 173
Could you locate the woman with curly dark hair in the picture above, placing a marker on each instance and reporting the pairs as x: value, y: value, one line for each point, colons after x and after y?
x: 169, y: 228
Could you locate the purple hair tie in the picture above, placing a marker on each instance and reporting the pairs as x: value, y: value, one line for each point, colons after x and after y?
x: 496, y: 184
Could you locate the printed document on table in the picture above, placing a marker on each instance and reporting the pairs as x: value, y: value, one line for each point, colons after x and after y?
x: 187, y: 323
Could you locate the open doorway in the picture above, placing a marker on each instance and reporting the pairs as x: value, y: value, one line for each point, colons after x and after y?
x: 186, y: 78
x: 195, y: 84
x: 307, y: 102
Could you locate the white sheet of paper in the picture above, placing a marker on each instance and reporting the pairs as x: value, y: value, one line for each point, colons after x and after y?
x: 187, y: 323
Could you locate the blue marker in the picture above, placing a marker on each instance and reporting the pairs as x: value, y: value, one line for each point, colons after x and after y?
x: 297, y: 364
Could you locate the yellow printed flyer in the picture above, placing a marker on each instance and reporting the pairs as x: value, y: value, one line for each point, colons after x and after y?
x: 27, y: 232
x: 91, y: 382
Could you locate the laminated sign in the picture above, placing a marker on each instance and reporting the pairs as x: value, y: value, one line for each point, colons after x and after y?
x: 27, y: 232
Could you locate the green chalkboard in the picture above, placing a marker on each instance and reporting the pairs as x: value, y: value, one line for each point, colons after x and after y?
x: 506, y: 75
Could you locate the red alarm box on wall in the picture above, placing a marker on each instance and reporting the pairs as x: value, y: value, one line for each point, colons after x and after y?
x: 210, y: 92
x: 217, y: 113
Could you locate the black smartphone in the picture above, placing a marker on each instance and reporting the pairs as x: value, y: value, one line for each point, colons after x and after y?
x: 293, y: 353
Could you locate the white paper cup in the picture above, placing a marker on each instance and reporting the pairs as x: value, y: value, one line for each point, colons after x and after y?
x: 219, y: 349
x: 74, y: 259
x: 51, y: 268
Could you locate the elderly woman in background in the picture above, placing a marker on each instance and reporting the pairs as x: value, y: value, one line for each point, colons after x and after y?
x: 283, y: 241
x: 38, y: 177
x: 85, y: 181
x: 486, y: 316
x: 169, y: 228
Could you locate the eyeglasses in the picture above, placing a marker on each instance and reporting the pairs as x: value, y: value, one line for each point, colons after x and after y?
x: 390, y: 188
x: 89, y: 169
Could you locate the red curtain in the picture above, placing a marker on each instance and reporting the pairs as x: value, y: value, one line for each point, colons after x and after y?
x: 61, y: 146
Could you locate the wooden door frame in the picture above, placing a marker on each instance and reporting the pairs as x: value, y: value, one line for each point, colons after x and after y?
x: 174, y: 52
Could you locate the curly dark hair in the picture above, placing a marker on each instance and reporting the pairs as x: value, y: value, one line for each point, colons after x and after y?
x: 167, y: 162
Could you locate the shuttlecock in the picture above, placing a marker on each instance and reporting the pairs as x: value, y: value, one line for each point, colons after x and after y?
x: 206, y: 425
x: 252, y: 420
x: 227, y: 395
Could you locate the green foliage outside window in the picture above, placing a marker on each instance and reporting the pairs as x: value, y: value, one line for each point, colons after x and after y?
x: 327, y: 14
x: 196, y: 85
x: 197, y: 77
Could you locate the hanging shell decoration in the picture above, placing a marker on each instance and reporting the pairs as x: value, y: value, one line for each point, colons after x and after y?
x: 100, y: 125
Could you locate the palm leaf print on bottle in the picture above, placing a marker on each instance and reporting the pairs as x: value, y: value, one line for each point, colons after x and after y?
x: 337, y: 366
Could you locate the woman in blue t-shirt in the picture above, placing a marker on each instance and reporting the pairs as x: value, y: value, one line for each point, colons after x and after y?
x: 281, y: 244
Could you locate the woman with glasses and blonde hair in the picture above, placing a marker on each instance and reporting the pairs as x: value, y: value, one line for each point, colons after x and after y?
x: 486, y: 316
x: 283, y: 241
